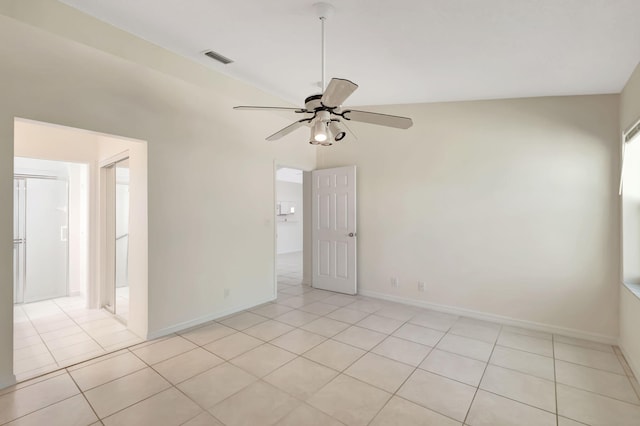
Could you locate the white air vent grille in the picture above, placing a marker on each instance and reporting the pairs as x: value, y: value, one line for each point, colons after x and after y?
x: 218, y: 57
x: 632, y: 132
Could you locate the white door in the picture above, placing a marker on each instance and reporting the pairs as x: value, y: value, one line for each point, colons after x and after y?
x: 334, y: 229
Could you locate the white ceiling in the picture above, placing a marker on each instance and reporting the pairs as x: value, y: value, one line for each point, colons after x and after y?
x: 401, y: 51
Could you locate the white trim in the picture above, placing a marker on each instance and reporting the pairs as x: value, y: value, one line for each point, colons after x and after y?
x: 8, y: 381
x: 201, y: 320
x: 635, y: 368
x: 532, y: 325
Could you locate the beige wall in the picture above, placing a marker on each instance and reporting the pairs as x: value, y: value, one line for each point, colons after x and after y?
x: 630, y: 302
x: 506, y: 208
x: 197, y: 146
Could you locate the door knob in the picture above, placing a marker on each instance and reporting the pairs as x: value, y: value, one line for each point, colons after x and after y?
x: 352, y: 234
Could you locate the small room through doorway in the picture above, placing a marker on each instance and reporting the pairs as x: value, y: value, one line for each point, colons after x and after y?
x: 290, y: 228
x: 59, y: 318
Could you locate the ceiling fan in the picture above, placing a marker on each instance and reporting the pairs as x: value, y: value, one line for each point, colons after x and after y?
x: 324, y: 113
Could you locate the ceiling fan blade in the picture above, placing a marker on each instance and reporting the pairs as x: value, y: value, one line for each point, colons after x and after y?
x: 337, y: 92
x: 290, y: 128
x: 379, y: 119
x: 266, y: 108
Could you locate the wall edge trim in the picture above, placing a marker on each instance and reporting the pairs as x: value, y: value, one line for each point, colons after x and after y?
x: 7, y: 381
x: 547, y: 328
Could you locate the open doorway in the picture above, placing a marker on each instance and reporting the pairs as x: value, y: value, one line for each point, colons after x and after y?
x: 58, y: 319
x: 290, y: 229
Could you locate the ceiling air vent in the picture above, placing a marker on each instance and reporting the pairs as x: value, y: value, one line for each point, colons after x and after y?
x: 632, y: 132
x: 218, y: 57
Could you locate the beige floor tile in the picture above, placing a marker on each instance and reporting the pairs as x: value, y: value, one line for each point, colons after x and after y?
x: 369, y: 306
x: 398, y: 312
x: 465, y: 346
x: 400, y: 412
x: 72, y: 411
x: 438, y: 393
x: 594, y: 409
x: 402, y: 350
x: 493, y: 410
x: 272, y: 310
x: 525, y: 362
x: 204, y: 419
x: 243, y: 320
x: 360, y: 337
x: 379, y: 371
x: 69, y: 340
x: 35, y: 362
x: 335, y: 355
x: 306, y: 415
x: 119, y: 337
x: 319, y: 308
x: 480, y: 330
x: 350, y: 316
x: 57, y: 334
x: 526, y: 343
x: 598, y: 381
x: 563, y: 421
x: 233, y: 345
x: 207, y: 334
x: 77, y: 350
x: 257, y: 404
x: 186, y: 365
x: 292, y: 302
x: 169, y: 407
x: 453, y: 366
x: 39, y: 395
x: 268, y: 330
x: 30, y: 351
x: 380, y: 324
x: 212, y: 386
x: 588, y: 357
x: 349, y: 400
x: 520, y: 387
x: 415, y: 333
x: 165, y: 349
x: 30, y: 382
x: 298, y: 341
x: 340, y: 300
x: 19, y: 343
x: 527, y: 332
x: 325, y: 327
x: 263, y: 359
x: 436, y: 320
x: 301, y: 378
x: 583, y: 343
x: 101, y: 372
x: 125, y: 391
x: 297, y: 318
x: 22, y: 374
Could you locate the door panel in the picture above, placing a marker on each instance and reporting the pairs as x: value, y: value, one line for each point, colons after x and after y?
x: 334, y: 229
x: 46, y: 239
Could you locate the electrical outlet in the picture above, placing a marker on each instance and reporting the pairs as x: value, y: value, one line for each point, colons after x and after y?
x: 394, y: 282
x: 226, y: 292
x: 421, y: 286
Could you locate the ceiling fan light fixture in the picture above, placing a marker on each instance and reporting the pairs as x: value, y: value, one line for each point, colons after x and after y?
x: 320, y: 133
x: 339, y: 134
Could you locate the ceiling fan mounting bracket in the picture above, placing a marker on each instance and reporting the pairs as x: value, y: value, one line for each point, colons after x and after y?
x: 324, y: 10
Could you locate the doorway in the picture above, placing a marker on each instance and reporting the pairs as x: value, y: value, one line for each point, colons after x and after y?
x: 290, y: 229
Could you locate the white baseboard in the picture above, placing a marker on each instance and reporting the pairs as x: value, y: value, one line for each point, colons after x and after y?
x: 7, y: 381
x: 201, y: 320
x: 547, y: 328
x: 633, y: 363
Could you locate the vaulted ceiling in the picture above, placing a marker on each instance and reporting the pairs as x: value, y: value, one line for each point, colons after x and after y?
x: 401, y: 51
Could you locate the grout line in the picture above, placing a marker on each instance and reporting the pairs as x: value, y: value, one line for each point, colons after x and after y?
x: 481, y: 377
x: 83, y: 395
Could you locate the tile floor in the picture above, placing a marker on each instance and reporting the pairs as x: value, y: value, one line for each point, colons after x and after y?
x: 60, y: 332
x: 319, y: 358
